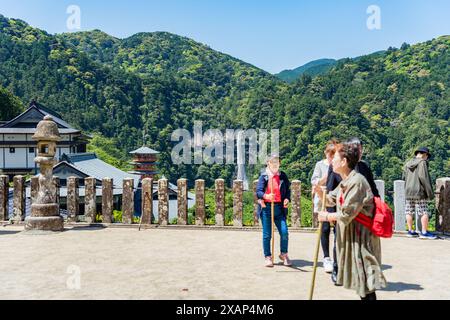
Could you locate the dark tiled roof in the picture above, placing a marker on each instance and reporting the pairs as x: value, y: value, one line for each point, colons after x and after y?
x: 39, y: 109
x: 89, y: 164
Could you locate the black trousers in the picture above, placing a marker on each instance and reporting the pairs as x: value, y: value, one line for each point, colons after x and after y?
x: 325, y: 241
x: 370, y: 297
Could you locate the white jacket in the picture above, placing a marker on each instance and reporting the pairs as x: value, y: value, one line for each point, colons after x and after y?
x: 320, y: 170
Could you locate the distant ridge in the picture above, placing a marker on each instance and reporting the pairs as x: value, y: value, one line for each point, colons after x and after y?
x: 313, y: 68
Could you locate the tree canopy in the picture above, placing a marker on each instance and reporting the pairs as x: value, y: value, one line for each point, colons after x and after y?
x: 117, y: 89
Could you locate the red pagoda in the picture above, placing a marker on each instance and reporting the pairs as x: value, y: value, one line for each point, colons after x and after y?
x: 145, y: 162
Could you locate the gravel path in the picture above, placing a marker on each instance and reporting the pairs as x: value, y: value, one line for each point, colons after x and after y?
x: 124, y: 263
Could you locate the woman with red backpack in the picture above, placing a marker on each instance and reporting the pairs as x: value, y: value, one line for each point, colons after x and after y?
x: 358, y: 248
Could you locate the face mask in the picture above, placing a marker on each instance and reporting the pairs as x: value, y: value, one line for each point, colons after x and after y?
x: 271, y: 172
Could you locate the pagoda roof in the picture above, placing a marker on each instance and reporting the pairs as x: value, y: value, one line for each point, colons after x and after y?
x: 144, y: 150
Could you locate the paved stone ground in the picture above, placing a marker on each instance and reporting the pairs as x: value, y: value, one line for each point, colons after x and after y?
x: 124, y: 263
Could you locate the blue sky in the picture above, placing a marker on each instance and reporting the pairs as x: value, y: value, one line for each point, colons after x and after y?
x: 272, y: 35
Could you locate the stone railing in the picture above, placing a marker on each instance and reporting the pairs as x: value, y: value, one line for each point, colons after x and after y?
x: 107, y: 201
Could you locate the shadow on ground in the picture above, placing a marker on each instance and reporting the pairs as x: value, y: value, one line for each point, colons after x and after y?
x: 85, y: 228
x: 8, y: 232
x: 402, y: 286
x: 303, y: 263
x: 297, y: 265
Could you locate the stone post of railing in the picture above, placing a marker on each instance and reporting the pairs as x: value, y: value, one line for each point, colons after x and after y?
x: 296, y: 213
x: 128, y: 201
x: 57, y: 186
x: 147, y: 201
x: 4, y: 190
x: 399, y: 205
x: 220, y: 202
x: 381, y: 188
x: 182, y: 201
x: 107, y: 200
x: 34, y: 189
x: 163, y: 202
x: 19, y: 199
x: 255, y: 205
x: 73, y: 199
x: 238, y: 203
x: 443, y: 205
x: 90, y: 196
x: 200, y: 202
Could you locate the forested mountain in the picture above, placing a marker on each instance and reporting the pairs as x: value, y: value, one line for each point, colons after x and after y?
x: 394, y: 101
x: 182, y: 81
x: 36, y: 65
x: 152, y: 82
x: 313, y: 68
x: 157, y: 82
x: 317, y: 68
x: 10, y: 105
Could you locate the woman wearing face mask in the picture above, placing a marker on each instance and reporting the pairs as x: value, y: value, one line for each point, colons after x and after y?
x: 358, y: 250
x: 274, y: 186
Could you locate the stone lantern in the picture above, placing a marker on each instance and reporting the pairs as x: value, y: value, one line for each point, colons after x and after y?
x: 45, y: 210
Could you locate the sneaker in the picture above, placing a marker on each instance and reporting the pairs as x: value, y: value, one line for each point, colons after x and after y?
x: 334, y: 276
x: 268, y: 262
x: 328, y: 265
x: 412, y: 234
x: 285, y: 258
x: 427, y: 235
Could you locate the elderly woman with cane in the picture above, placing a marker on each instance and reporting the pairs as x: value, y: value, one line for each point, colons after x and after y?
x: 358, y: 250
x: 273, y: 192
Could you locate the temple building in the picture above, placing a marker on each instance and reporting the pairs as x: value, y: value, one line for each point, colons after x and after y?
x: 18, y: 150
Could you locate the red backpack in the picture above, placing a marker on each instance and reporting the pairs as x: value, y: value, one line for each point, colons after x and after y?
x: 382, y: 223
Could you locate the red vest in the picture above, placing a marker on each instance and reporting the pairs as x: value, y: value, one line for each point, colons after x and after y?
x: 275, y: 180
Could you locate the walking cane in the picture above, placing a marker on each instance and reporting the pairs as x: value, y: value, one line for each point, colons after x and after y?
x: 273, y: 218
x: 140, y: 222
x: 316, y: 255
x: 312, y: 207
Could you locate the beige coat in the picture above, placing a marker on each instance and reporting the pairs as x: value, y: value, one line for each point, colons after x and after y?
x: 358, y: 250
